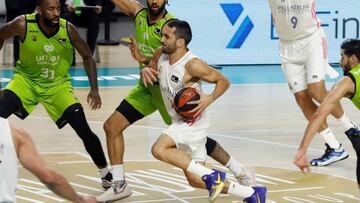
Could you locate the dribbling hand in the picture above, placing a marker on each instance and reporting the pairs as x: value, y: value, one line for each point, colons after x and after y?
x: 94, y: 99
x: 302, y: 162
x: 203, y: 103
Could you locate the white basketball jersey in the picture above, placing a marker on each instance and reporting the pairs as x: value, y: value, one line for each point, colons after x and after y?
x: 8, y: 164
x: 294, y: 19
x: 171, y: 80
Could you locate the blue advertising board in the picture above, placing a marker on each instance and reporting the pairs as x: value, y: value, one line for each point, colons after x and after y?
x: 241, y: 31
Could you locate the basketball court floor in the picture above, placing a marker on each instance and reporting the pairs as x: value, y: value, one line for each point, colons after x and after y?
x: 257, y: 121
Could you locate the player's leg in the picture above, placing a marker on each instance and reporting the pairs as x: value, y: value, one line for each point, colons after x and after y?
x: 354, y: 137
x: 316, y: 65
x: 133, y: 108
x: 17, y: 98
x: 190, y: 157
x: 219, y: 154
x: 63, y: 107
x: 296, y: 76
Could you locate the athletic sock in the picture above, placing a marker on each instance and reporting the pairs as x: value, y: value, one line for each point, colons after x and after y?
x: 198, y: 169
x: 235, y: 167
x: 118, y: 172
x: 329, y: 138
x: 344, y: 119
x: 104, y: 171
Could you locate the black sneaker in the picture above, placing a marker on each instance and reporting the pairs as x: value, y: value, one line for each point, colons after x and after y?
x: 106, y: 181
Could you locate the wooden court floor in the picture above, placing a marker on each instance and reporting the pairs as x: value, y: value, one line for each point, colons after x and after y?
x: 259, y: 125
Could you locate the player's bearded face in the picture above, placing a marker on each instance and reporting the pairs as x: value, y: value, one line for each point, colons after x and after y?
x: 345, y: 62
x: 154, y: 8
x: 169, y: 48
x: 346, y: 67
x: 51, y: 15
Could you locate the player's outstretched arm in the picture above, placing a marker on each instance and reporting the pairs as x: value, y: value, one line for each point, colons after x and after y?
x: 89, y: 64
x: 197, y: 68
x: 128, y: 7
x: 31, y: 160
x: 13, y: 28
x: 341, y: 89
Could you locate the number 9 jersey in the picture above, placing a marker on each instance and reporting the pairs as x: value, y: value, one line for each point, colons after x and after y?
x: 294, y: 19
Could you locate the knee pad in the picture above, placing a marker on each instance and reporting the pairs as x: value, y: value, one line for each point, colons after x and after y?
x: 210, y: 145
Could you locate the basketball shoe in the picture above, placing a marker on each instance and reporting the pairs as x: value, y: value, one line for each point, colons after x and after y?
x: 354, y: 135
x: 106, y: 181
x: 330, y: 156
x: 118, y: 190
x: 259, y: 196
x: 246, y: 178
x: 214, y: 183
x: 353, y: 132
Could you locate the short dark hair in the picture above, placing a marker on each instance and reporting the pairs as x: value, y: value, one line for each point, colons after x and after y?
x: 183, y: 30
x: 40, y: 2
x: 350, y: 47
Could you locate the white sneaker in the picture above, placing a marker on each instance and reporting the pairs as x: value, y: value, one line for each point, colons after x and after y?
x: 118, y: 190
x: 247, y: 177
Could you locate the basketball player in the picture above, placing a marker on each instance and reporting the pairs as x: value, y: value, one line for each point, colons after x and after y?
x: 182, y: 144
x: 347, y: 87
x: 144, y: 100
x: 15, y: 144
x: 303, y: 53
x: 41, y: 75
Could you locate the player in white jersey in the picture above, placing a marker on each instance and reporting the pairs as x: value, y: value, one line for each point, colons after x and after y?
x: 182, y: 144
x: 303, y: 53
x: 16, y: 144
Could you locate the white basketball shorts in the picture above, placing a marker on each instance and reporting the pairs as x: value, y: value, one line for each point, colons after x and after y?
x: 304, y: 61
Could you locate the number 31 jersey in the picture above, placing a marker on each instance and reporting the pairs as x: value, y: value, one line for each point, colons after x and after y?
x: 294, y: 19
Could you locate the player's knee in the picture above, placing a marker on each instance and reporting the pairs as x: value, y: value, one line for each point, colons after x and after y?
x: 317, y: 95
x: 303, y: 99
x: 113, y: 129
x: 157, y: 151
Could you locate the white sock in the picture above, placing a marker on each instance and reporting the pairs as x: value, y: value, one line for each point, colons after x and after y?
x: 329, y: 138
x: 198, y: 169
x: 235, y: 167
x: 240, y: 190
x: 104, y: 171
x: 346, y: 122
x: 118, y: 172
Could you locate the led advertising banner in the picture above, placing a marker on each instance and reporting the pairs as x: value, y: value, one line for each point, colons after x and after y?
x: 241, y: 31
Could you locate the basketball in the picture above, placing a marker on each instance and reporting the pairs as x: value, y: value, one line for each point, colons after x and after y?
x: 185, y: 95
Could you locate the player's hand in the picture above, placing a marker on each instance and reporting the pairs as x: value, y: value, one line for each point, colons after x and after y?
x: 134, y: 50
x: 204, y: 101
x: 302, y: 161
x: 98, y: 9
x: 88, y: 199
x: 70, y: 8
x: 149, y: 76
x: 94, y: 99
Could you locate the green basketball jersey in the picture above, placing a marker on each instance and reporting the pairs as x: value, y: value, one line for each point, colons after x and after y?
x: 355, y: 72
x: 148, y: 35
x: 45, y: 59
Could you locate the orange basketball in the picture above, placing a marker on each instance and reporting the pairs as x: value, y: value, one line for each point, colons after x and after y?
x: 185, y: 95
